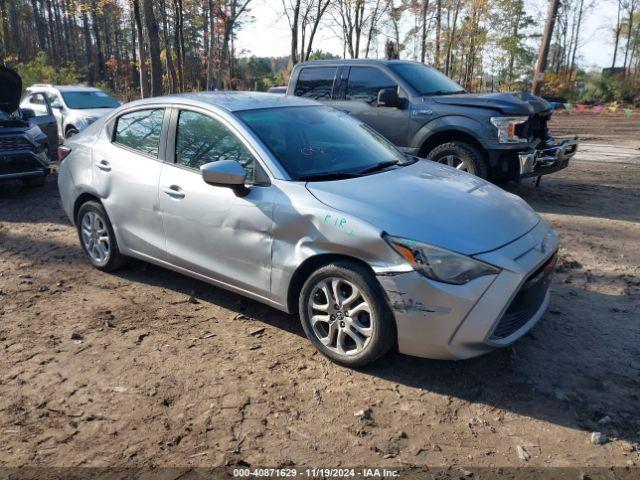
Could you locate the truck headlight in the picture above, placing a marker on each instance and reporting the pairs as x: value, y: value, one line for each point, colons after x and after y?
x: 507, y: 128
x: 440, y: 264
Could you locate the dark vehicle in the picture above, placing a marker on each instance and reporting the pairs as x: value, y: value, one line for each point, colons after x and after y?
x: 500, y: 136
x: 278, y: 90
x: 28, y: 141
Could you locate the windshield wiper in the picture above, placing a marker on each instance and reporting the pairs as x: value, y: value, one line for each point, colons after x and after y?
x: 327, y: 176
x: 444, y: 92
x: 378, y: 166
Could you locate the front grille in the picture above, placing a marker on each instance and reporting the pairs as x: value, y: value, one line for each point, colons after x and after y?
x: 534, y: 128
x: 527, y: 301
x: 11, y: 165
x: 12, y: 143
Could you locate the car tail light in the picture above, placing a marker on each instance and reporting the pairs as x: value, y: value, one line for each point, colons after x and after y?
x: 63, y: 152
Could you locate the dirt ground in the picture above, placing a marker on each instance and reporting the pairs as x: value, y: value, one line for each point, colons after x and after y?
x: 147, y: 367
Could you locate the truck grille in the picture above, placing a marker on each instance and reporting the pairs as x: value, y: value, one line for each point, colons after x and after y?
x: 12, y: 143
x: 14, y: 164
x: 534, y: 128
x: 527, y: 302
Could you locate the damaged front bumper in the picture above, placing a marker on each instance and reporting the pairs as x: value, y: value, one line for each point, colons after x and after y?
x: 538, y: 162
x: 437, y: 320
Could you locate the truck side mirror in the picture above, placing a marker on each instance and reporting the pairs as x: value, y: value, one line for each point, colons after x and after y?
x: 388, y: 97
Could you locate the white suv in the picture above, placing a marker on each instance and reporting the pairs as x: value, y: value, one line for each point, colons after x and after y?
x: 74, y: 106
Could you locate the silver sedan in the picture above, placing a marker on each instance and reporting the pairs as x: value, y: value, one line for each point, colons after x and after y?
x: 309, y: 210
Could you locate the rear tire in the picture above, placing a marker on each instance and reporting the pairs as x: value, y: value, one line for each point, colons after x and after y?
x: 32, y: 182
x: 345, y: 315
x: 97, y: 238
x: 462, y: 156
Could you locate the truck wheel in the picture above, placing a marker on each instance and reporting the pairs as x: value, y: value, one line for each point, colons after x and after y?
x: 460, y: 155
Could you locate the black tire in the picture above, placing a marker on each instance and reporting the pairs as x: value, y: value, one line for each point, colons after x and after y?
x: 381, y: 322
x: 472, y: 159
x: 114, y: 258
x: 71, y: 131
x: 33, y: 182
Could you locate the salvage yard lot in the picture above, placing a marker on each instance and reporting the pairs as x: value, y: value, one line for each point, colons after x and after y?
x: 149, y: 367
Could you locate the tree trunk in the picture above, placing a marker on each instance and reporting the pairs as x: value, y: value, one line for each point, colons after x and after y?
x: 171, y: 69
x: 179, y: 41
x: 144, y: 78
x: 618, y: 30
x: 423, y: 33
x: 436, y: 59
x: 541, y: 64
x: 629, y: 31
x: 154, y: 48
x: 40, y: 29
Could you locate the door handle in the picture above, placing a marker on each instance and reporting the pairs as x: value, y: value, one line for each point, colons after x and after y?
x: 104, y: 166
x: 174, y: 191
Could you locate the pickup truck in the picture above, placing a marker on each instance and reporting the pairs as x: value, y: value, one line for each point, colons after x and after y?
x: 498, y: 136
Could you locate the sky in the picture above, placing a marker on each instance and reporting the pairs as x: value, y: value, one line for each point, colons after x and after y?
x: 268, y: 34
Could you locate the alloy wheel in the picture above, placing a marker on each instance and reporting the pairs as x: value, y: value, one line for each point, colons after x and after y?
x: 458, y: 163
x: 95, y: 237
x: 340, y: 316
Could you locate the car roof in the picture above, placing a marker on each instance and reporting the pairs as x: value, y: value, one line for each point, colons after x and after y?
x: 354, y: 61
x: 230, y: 101
x: 63, y: 88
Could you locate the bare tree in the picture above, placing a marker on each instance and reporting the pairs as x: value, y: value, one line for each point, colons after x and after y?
x: 144, y: 77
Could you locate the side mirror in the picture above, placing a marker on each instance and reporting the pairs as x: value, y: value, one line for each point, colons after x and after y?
x: 27, y: 114
x: 56, y: 106
x: 388, y: 97
x: 225, y: 173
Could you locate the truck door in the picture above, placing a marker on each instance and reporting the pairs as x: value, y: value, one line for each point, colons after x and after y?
x: 361, y: 101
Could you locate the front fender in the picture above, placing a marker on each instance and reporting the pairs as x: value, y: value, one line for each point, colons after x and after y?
x: 478, y: 130
x: 304, y: 227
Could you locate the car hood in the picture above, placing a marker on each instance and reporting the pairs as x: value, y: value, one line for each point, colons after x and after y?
x: 432, y: 203
x: 10, y: 90
x: 92, y: 112
x: 506, y: 103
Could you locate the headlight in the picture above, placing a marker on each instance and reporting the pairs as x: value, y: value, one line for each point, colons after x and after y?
x: 439, y: 264
x: 507, y: 128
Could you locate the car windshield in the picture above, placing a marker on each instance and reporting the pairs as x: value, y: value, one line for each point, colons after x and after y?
x: 84, y: 100
x: 317, y: 142
x: 426, y: 80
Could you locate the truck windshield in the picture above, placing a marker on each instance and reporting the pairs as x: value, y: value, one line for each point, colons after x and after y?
x: 320, y: 143
x: 426, y: 80
x: 84, y: 100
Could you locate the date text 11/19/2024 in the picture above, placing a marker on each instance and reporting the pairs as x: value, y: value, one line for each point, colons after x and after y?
x: 316, y: 472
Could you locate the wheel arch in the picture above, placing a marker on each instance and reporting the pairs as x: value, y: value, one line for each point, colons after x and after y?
x: 450, y: 135
x: 81, y: 200
x: 308, y: 266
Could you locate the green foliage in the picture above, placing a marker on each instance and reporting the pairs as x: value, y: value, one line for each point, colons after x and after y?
x: 320, y: 55
x: 38, y: 70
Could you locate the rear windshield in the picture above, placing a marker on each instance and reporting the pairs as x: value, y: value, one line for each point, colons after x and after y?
x: 426, y: 80
x: 85, y: 100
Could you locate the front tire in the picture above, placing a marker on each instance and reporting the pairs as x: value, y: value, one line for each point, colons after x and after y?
x: 345, y: 315
x: 462, y: 156
x: 97, y: 238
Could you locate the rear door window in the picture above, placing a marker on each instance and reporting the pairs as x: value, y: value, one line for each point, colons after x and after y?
x: 365, y: 83
x: 140, y: 130
x: 316, y: 82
